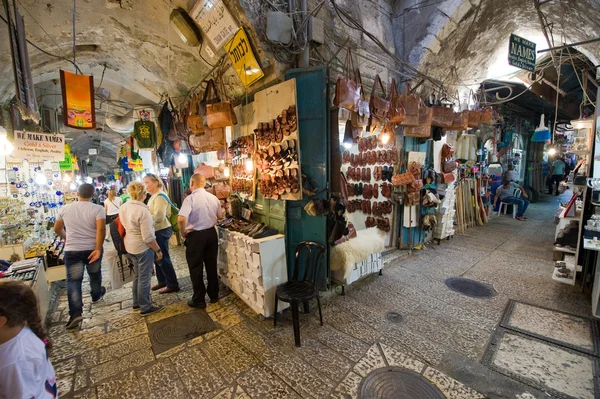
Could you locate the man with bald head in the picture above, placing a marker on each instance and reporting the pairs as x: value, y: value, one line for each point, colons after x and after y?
x: 197, y: 220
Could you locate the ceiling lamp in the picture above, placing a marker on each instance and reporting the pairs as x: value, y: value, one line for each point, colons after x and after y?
x: 185, y: 27
x: 541, y: 134
x: 6, y: 146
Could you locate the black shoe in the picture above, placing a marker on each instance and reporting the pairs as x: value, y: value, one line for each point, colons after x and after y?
x: 102, y: 292
x: 214, y: 300
x: 255, y: 229
x: 74, y: 322
x: 153, y: 309
x: 259, y: 232
x: 248, y: 228
x: 266, y: 233
x: 136, y: 307
x: 197, y: 305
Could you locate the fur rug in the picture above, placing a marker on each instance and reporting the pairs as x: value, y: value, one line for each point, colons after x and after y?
x: 345, y: 255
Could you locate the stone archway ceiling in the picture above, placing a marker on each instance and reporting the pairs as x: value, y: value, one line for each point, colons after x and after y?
x: 129, y: 48
x: 466, y: 41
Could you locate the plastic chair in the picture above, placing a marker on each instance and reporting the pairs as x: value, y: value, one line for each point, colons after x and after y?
x: 302, y: 289
x: 515, y: 208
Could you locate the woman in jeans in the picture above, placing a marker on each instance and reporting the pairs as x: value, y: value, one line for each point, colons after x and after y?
x: 112, y: 205
x: 160, y: 209
x: 141, y: 246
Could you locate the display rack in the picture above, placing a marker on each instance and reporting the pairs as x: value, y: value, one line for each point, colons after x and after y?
x: 253, y: 268
x: 582, y: 147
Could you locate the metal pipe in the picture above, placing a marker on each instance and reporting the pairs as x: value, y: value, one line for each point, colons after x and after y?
x: 570, y: 45
x: 303, y: 58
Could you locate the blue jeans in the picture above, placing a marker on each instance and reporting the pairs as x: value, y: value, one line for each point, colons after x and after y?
x: 142, y: 264
x: 522, y: 203
x: 75, y: 262
x: 165, y: 272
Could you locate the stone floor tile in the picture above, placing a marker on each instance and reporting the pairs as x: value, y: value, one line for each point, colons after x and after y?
x: 168, y: 311
x: 252, y: 339
x: 64, y: 385
x: 126, y: 386
x: 63, y: 369
x: 162, y: 380
x: 81, y: 380
x: 397, y: 358
x: 325, y: 360
x: 351, y: 326
x: 233, y: 392
x: 89, y: 393
x: 120, y: 349
x: 228, y: 356
x: 259, y: 382
x: 451, y: 388
x: 225, y: 318
x: 198, y: 374
x: 88, y: 359
x: 300, y: 375
x: 346, y: 345
x: 415, y: 344
x: 348, y: 388
x: 120, y: 364
x: 372, y: 360
x: 105, y: 308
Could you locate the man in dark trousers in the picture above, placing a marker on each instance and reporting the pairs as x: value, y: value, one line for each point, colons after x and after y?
x: 197, y: 220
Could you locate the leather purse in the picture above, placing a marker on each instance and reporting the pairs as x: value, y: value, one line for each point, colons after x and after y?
x: 222, y: 190
x: 447, y: 178
x: 206, y: 170
x: 442, y: 116
x: 448, y: 164
x: 460, y: 121
x: 474, y: 119
x: 347, y: 90
x: 210, y: 96
x: 486, y: 115
x: 415, y: 169
x: 417, y: 184
x: 403, y: 179
x: 352, y: 132
x: 413, y: 198
x: 421, y: 131
x: 410, y: 102
x: 194, y: 121
x: 397, y: 114
x: 379, y: 106
x: 219, y: 113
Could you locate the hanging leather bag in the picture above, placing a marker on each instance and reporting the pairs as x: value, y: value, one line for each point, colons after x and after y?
x: 194, y: 121
x: 410, y: 102
x: 460, y: 121
x: 347, y: 90
x: 422, y: 131
x: 220, y: 113
x: 397, y: 114
x: 210, y: 96
x: 486, y: 115
x: 474, y: 118
x: 448, y: 164
x: 379, y: 106
x: 442, y: 116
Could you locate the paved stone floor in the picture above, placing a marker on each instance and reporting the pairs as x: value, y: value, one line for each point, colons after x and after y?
x: 442, y: 335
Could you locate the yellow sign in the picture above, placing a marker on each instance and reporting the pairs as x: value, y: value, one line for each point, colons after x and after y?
x: 242, y: 58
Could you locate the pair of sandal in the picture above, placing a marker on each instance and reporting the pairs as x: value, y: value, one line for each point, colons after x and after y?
x: 276, y: 129
x: 386, y: 190
x: 274, y: 187
x: 277, y: 157
x: 382, y: 208
x: 242, y: 146
x: 243, y: 186
x: 383, y: 173
x: 383, y: 224
x: 358, y: 174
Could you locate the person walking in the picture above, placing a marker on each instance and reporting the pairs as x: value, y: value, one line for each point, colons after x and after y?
x: 83, y: 226
x: 112, y: 205
x: 25, y: 371
x: 558, y: 172
x: 160, y: 209
x: 140, y: 243
x: 197, y: 219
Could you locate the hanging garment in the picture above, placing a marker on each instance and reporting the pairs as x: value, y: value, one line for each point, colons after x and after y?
x: 144, y: 133
x: 466, y: 148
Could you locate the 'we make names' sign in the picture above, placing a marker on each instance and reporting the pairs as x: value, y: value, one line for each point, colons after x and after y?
x: 521, y: 53
x: 37, y: 147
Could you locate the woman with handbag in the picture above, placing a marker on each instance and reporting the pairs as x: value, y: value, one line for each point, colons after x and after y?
x: 112, y: 205
x: 160, y: 209
x: 141, y: 245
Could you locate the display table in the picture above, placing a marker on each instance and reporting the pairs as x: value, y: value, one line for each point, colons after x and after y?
x: 32, y: 272
x: 253, y: 268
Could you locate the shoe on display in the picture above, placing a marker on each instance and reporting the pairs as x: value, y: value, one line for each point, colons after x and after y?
x: 153, y: 309
x: 255, y: 229
x: 102, y: 292
x: 196, y: 305
x: 158, y: 286
x: 74, y: 322
x: 262, y: 230
x: 266, y: 233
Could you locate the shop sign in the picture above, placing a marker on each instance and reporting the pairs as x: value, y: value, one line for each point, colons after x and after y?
x: 242, y: 58
x: 521, y: 53
x: 78, y: 100
x: 66, y: 164
x: 215, y: 20
x: 369, y: 69
x: 38, y: 147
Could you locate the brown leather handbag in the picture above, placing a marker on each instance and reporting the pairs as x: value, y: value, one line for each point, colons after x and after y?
x: 486, y: 115
x: 210, y: 96
x: 194, y: 121
x: 220, y: 113
x: 205, y: 170
x: 474, y: 119
x: 447, y: 178
x: 410, y: 102
x: 402, y: 179
x: 360, y: 118
x: 379, y: 106
x: 397, y: 114
x: 347, y: 89
x: 460, y: 121
x: 442, y: 116
x: 421, y: 131
x: 222, y: 190
x: 448, y: 164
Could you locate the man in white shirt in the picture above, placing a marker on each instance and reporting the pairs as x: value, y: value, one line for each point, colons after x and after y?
x: 83, y: 226
x: 197, y: 220
x: 506, y: 193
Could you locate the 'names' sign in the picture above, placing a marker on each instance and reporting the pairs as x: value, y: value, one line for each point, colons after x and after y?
x: 521, y: 53
x: 37, y: 147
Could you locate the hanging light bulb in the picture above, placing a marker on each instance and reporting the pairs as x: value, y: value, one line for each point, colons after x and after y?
x: 6, y: 146
x: 249, y: 164
x: 66, y: 178
x: 384, y: 137
x: 182, y: 158
x: 72, y: 186
x: 552, y: 151
x: 226, y: 171
x: 89, y: 180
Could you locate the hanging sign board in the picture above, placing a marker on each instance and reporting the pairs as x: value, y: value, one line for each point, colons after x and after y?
x: 242, y: 58
x: 66, y: 164
x: 38, y: 147
x: 215, y: 20
x: 78, y: 100
x: 521, y: 53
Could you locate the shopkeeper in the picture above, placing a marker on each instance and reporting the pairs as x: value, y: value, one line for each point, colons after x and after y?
x: 197, y: 220
x: 506, y: 193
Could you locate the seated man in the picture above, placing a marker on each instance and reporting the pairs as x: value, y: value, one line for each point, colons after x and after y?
x: 506, y: 194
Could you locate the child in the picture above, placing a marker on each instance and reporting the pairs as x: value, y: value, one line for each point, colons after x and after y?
x: 25, y: 371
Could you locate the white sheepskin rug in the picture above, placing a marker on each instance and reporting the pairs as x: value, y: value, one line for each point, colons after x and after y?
x: 356, y: 250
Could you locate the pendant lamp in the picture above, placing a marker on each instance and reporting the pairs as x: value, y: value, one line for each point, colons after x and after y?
x: 541, y: 134
x: 6, y: 146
